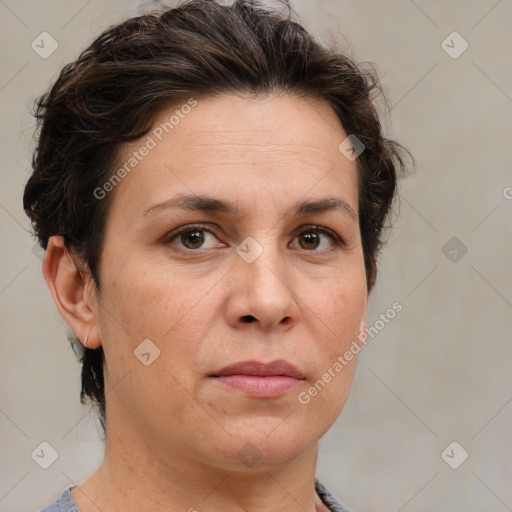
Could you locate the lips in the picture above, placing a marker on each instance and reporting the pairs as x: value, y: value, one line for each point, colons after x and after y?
x: 276, y: 368
x: 260, y: 380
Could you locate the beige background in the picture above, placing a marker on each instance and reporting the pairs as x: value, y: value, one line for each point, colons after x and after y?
x: 437, y: 373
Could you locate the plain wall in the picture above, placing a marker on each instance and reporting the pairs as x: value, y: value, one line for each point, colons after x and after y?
x: 438, y: 372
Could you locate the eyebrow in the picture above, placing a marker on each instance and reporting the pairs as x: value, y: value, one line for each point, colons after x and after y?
x: 211, y: 204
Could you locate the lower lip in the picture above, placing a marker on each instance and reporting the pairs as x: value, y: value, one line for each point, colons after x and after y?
x: 270, y: 386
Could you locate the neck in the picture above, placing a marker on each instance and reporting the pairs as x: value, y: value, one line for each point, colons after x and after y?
x: 138, y: 475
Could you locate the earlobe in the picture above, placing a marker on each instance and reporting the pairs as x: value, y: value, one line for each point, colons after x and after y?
x: 69, y: 291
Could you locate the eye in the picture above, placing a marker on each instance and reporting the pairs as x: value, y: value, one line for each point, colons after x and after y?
x: 191, y: 237
x: 194, y: 236
x: 311, y: 238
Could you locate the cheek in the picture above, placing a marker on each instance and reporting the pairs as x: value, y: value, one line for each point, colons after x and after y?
x: 137, y: 306
x: 340, y: 304
x: 339, y: 310
x: 170, y: 308
x: 151, y: 302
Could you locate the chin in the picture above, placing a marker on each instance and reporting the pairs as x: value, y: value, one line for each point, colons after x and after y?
x: 258, y: 450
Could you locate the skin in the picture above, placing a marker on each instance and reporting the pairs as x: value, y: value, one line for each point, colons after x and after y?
x: 174, y: 433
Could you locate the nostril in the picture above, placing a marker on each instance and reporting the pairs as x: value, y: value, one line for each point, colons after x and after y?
x: 248, y: 318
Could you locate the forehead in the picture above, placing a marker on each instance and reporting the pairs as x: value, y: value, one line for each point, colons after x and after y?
x: 292, y: 123
x: 239, y: 145
x: 286, y: 120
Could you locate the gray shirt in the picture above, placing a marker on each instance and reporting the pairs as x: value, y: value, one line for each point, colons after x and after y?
x: 65, y: 502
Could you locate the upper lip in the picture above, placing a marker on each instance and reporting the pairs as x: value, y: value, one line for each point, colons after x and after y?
x: 279, y: 367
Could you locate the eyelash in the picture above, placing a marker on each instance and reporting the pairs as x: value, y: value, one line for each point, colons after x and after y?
x: 338, y: 241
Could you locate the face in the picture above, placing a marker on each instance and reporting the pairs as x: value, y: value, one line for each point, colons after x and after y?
x: 210, y: 260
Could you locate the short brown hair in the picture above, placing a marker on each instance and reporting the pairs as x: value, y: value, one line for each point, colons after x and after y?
x: 114, y: 91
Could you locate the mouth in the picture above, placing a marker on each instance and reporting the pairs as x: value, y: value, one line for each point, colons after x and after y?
x: 264, y: 380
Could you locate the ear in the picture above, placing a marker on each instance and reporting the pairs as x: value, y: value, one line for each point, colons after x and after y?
x: 73, y: 293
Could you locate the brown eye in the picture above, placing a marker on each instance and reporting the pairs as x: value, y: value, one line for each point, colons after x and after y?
x: 309, y: 240
x: 312, y: 238
x: 192, y: 239
x: 195, y: 237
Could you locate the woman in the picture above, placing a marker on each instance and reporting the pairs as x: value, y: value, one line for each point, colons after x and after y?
x: 210, y: 185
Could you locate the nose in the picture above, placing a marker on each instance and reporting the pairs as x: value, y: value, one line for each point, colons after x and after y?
x: 262, y: 293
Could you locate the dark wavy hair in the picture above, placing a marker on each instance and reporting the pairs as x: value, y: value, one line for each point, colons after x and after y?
x: 113, y: 92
